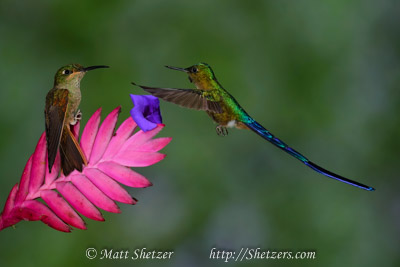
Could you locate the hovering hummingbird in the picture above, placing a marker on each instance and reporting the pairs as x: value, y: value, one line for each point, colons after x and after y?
x: 61, y: 111
x: 223, y: 108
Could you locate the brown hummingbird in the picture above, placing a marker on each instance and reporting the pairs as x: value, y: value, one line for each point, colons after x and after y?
x: 61, y: 111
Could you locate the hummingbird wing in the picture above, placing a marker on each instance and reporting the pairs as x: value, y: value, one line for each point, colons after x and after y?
x: 72, y: 156
x: 55, y: 111
x: 188, y: 98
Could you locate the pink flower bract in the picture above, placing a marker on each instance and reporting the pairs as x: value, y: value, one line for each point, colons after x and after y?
x: 110, y: 155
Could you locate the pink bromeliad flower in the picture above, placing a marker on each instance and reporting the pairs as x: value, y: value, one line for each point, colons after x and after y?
x: 110, y: 155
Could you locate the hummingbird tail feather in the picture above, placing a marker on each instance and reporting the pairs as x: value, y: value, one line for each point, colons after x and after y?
x: 335, y: 176
x: 260, y: 130
x: 71, y: 153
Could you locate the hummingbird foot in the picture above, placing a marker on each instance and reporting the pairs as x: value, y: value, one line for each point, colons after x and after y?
x: 221, y: 130
x: 78, y: 117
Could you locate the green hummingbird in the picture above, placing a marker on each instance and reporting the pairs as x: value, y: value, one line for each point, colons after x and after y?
x: 61, y: 111
x: 223, y: 108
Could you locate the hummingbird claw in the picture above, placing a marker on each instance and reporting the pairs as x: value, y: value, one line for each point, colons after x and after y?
x: 78, y: 117
x: 221, y: 130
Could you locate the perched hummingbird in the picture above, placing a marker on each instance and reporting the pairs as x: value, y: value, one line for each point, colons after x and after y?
x: 61, y: 112
x: 223, y: 108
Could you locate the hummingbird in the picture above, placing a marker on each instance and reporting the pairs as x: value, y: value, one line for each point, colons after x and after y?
x: 225, y: 110
x: 61, y: 112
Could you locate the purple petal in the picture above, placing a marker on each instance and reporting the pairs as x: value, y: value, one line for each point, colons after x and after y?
x: 146, y: 111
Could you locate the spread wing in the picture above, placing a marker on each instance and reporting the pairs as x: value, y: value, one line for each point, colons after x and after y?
x: 55, y: 111
x: 188, y: 98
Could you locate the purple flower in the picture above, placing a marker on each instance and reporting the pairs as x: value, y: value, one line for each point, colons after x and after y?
x: 146, y: 111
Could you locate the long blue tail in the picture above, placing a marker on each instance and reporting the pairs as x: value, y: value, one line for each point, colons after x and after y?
x: 260, y: 130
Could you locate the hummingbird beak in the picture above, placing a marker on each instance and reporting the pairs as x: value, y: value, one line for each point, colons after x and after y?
x: 176, y: 68
x: 94, y: 67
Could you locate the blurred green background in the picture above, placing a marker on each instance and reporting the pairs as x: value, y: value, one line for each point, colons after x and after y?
x: 324, y: 76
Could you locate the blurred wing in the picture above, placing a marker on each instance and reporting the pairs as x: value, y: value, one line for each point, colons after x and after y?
x: 55, y: 111
x: 188, y: 98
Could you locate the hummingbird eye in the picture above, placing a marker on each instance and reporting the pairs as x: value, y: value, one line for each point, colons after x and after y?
x: 194, y: 70
x: 66, y: 72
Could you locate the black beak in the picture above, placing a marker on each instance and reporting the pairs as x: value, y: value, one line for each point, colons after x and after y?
x: 176, y: 68
x: 94, y: 67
